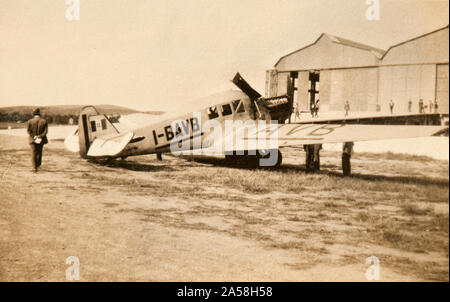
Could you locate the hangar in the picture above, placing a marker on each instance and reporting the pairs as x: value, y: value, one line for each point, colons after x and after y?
x: 336, y: 70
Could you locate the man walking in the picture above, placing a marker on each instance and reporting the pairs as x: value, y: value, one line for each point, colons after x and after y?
x: 37, y: 129
x: 347, y: 152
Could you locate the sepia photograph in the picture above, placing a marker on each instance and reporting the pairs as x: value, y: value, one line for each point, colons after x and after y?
x: 224, y: 141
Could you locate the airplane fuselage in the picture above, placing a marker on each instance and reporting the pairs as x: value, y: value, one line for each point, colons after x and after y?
x: 188, y: 128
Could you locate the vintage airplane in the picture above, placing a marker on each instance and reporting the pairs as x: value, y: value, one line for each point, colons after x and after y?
x: 98, y: 138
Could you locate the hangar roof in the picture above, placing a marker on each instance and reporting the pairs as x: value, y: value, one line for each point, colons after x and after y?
x: 431, y: 47
x: 415, y: 38
x: 377, y: 52
x: 329, y: 51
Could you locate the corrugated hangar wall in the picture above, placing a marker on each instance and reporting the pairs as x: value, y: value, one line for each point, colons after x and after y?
x: 442, y: 87
x: 346, y: 71
x: 416, y: 69
x: 366, y: 76
x: 355, y: 85
x: 404, y: 83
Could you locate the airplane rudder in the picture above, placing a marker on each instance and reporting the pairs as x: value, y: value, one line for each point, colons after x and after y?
x: 85, y: 136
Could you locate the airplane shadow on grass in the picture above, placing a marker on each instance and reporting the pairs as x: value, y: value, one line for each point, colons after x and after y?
x: 286, y: 168
x: 398, y: 179
x: 135, y: 166
x: 222, y: 162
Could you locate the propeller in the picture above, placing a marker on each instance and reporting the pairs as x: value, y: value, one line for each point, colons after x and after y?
x: 254, y: 95
x: 277, y: 111
x: 239, y: 81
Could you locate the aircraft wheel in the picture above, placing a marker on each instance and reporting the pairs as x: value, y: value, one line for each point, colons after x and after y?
x: 267, y: 154
x: 103, y: 161
x: 231, y: 159
x: 279, y: 160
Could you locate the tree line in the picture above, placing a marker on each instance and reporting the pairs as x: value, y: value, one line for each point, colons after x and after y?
x: 59, y: 119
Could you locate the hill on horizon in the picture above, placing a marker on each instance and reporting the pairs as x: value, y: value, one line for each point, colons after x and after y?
x: 67, y: 109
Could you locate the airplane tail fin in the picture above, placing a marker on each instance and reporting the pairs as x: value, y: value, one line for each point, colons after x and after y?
x: 91, y: 125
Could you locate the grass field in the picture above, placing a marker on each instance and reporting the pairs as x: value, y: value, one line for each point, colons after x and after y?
x: 199, y: 219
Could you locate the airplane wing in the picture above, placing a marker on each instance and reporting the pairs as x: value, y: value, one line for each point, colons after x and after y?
x: 110, y: 145
x: 297, y: 135
x: 288, y: 135
x: 379, y: 119
x: 138, y: 120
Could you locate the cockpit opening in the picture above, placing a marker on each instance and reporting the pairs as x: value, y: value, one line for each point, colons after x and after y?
x: 226, y: 110
x: 238, y: 106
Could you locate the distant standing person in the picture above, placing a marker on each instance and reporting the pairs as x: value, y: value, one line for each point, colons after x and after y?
x: 316, y: 156
x: 346, y: 108
x: 312, y: 157
x: 421, y: 106
x: 436, y: 106
x: 391, y: 106
x: 316, y: 109
x: 347, y: 152
x: 297, y: 112
x: 37, y: 129
x: 309, y: 158
x: 409, y: 105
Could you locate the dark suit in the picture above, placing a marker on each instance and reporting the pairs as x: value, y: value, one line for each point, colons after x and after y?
x: 37, y: 127
x: 347, y: 151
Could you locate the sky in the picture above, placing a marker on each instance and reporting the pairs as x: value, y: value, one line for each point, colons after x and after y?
x: 162, y: 54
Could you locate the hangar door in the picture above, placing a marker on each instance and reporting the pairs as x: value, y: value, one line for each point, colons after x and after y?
x: 280, y: 83
x: 442, y: 87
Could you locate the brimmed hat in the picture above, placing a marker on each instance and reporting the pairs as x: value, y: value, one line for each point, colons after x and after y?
x: 37, y: 111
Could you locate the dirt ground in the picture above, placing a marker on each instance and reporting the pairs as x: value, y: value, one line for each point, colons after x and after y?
x: 184, y: 219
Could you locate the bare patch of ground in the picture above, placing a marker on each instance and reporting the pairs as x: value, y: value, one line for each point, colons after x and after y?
x: 186, y: 219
